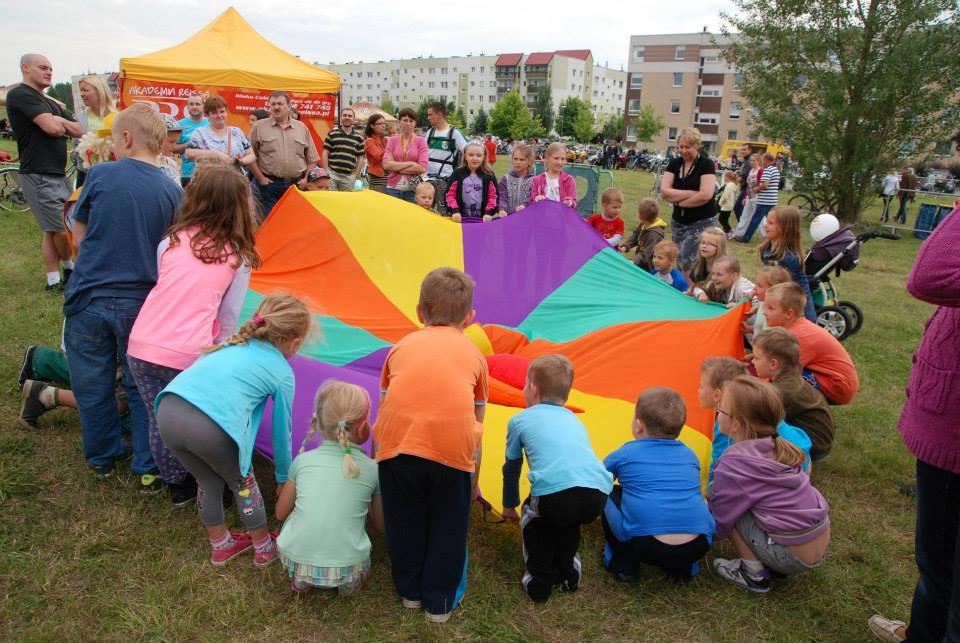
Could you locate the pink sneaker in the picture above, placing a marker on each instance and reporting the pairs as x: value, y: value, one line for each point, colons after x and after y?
x: 241, y: 543
x: 264, y: 558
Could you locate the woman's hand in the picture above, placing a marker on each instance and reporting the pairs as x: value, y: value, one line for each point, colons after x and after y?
x: 487, y: 218
x: 456, y: 217
x: 510, y: 514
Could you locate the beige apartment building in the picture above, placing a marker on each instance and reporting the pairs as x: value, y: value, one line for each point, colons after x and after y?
x: 689, y: 84
x: 478, y: 82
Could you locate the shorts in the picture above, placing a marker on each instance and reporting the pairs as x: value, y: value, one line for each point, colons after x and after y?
x: 773, y: 555
x: 46, y: 194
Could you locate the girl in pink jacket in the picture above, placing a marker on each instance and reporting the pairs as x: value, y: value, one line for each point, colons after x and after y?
x: 555, y: 184
x: 204, y: 267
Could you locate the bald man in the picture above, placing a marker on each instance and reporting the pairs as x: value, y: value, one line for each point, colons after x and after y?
x: 41, y: 128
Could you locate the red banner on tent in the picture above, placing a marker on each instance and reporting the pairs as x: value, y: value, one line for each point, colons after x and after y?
x: 317, y: 111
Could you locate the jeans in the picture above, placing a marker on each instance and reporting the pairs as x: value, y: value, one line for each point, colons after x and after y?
x: 935, y: 615
x: 406, y: 195
x: 740, y: 202
x: 271, y: 193
x: 902, y: 212
x: 96, y: 343
x: 758, y: 215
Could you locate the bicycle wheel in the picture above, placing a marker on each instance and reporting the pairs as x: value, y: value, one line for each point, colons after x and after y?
x: 853, y: 312
x: 805, y: 204
x: 11, y: 194
x: 834, y: 320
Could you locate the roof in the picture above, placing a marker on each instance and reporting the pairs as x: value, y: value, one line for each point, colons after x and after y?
x: 540, y: 58
x: 581, y: 54
x: 228, y: 52
x: 508, y: 60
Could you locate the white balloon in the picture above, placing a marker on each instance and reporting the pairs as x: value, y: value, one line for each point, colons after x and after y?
x: 823, y: 225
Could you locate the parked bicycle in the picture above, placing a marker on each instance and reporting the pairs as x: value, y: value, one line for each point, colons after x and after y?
x: 11, y: 194
x: 811, y: 205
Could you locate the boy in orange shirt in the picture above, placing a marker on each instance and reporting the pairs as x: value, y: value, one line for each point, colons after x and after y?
x: 427, y: 441
x: 825, y: 362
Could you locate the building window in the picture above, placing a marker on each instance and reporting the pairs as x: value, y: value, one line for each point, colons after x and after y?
x: 473, y: 83
x: 444, y: 84
x: 636, y: 81
x: 631, y: 133
x: 735, y: 110
x: 481, y: 69
x: 674, y: 107
x: 473, y: 70
x: 633, y: 107
x: 680, y: 53
x: 639, y: 53
x: 709, y: 92
x: 493, y: 99
x: 677, y: 79
x: 432, y: 70
x: 732, y: 135
x: 431, y: 84
x: 672, y: 134
x: 443, y: 71
x: 738, y: 80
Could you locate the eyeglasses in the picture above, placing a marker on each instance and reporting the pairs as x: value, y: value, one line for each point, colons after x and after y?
x: 722, y: 412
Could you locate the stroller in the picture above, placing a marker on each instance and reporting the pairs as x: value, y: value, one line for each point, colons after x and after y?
x: 838, y: 252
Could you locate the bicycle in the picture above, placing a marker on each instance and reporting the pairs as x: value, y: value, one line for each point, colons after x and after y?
x: 810, y: 205
x: 11, y: 194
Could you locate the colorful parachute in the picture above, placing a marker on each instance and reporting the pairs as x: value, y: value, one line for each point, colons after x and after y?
x: 546, y: 283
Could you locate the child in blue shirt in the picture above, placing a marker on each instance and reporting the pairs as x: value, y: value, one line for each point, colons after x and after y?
x: 569, y: 485
x: 656, y: 515
x: 664, y: 259
x: 209, y: 417
x: 715, y: 372
x: 123, y: 212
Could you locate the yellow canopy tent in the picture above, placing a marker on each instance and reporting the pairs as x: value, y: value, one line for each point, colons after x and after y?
x: 230, y: 59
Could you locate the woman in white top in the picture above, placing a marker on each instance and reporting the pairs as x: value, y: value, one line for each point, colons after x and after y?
x: 891, y: 185
x: 98, y: 103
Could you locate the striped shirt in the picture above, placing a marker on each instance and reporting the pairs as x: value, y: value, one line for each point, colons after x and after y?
x: 344, y: 150
x: 771, y: 176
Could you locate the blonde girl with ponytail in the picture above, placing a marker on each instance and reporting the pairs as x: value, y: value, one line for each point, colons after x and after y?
x: 209, y: 417
x: 761, y: 498
x: 332, y: 490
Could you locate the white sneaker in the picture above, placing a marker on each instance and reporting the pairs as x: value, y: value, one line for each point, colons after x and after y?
x: 438, y: 618
x: 885, y: 629
x: 410, y: 605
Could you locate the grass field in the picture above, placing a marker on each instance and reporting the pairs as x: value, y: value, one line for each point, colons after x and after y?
x: 84, y: 559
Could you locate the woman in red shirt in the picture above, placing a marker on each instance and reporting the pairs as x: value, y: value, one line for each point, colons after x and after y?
x: 373, y: 146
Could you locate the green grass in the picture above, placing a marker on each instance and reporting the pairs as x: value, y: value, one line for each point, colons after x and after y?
x: 84, y: 559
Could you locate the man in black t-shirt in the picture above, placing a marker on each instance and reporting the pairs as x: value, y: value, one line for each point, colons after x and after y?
x: 41, y: 128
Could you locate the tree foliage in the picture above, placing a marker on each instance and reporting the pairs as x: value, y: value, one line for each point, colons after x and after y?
x: 510, y: 118
x: 647, y: 123
x: 63, y: 92
x: 480, y: 124
x: 583, y: 126
x: 388, y: 106
x: 544, y: 107
x: 568, y: 113
x: 846, y: 83
x: 612, y: 128
x: 458, y: 119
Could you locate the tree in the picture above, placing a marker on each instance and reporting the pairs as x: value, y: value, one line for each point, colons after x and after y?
x: 458, y: 119
x: 510, y: 118
x: 480, y: 123
x: 422, y: 113
x: 63, y: 92
x: 845, y: 83
x: 544, y: 107
x: 568, y: 113
x: 612, y: 128
x: 388, y: 107
x: 583, y: 126
x: 647, y: 123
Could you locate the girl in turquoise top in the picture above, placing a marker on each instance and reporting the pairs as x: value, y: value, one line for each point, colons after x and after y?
x: 331, y: 491
x: 209, y: 416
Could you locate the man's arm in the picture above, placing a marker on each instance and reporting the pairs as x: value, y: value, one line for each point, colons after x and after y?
x: 325, y: 159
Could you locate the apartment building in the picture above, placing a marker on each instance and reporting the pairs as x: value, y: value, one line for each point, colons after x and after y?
x: 478, y: 82
x: 689, y: 84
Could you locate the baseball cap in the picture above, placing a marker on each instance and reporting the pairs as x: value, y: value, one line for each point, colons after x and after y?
x: 172, y: 124
x: 317, y: 173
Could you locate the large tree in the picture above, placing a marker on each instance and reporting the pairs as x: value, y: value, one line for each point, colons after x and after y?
x: 569, y: 111
x: 63, y: 92
x: 612, y: 128
x: 543, y: 108
x: 647, y: 123
x: 480, y: 123
x: 847, y: 84
x: 388, y: 107
x: 510, y: 118
x: 583, y: 126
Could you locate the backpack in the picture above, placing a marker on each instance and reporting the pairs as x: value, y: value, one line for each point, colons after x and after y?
x: 454, y: 161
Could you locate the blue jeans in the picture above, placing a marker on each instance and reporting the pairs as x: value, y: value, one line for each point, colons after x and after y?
x: 935, y: 615
x: 758, y: 215
x: 96, y: 342
x: 406, y: 195
x: 271, y: 193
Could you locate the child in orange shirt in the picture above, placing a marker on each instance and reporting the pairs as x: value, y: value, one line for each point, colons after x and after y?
x: 825, y: 362
x: 608, y: 223
x: 427, y: 441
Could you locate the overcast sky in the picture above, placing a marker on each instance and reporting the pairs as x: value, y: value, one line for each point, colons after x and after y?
x: 92, y: 35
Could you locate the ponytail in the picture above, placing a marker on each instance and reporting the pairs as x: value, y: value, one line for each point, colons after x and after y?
x: 278, y: 319
x: 350, y: 469
x: 785, y: 452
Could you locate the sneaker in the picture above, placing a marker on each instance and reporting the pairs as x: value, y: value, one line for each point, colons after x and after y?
x: 572, y: 582
x: 67, y: 272
x: 31, y: 408
x: 57, y: 287
x: 264, y: 558
x: 103, y: 470
x: 26, y: 369
x: 241, y: 543
x: 183, y: 493
x: 410, y: 604
x: 733, y: 570
x: 438, y: 618
x: 298, y: 587
x: 886, y: 629
x: 150, y: 484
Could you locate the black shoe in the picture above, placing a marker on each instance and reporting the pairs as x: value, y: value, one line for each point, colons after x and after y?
x: 31, y: 408
x: 26, y: 369
x: 103, y: 470
x: 57, y: 287
x: 67, y: 272
x: 183, y: 493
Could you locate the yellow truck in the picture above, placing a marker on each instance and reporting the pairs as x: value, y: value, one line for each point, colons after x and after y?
x: 732, y: 146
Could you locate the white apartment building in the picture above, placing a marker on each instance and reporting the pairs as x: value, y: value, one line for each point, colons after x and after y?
x: 686, y: 79
x: 477, y: 82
